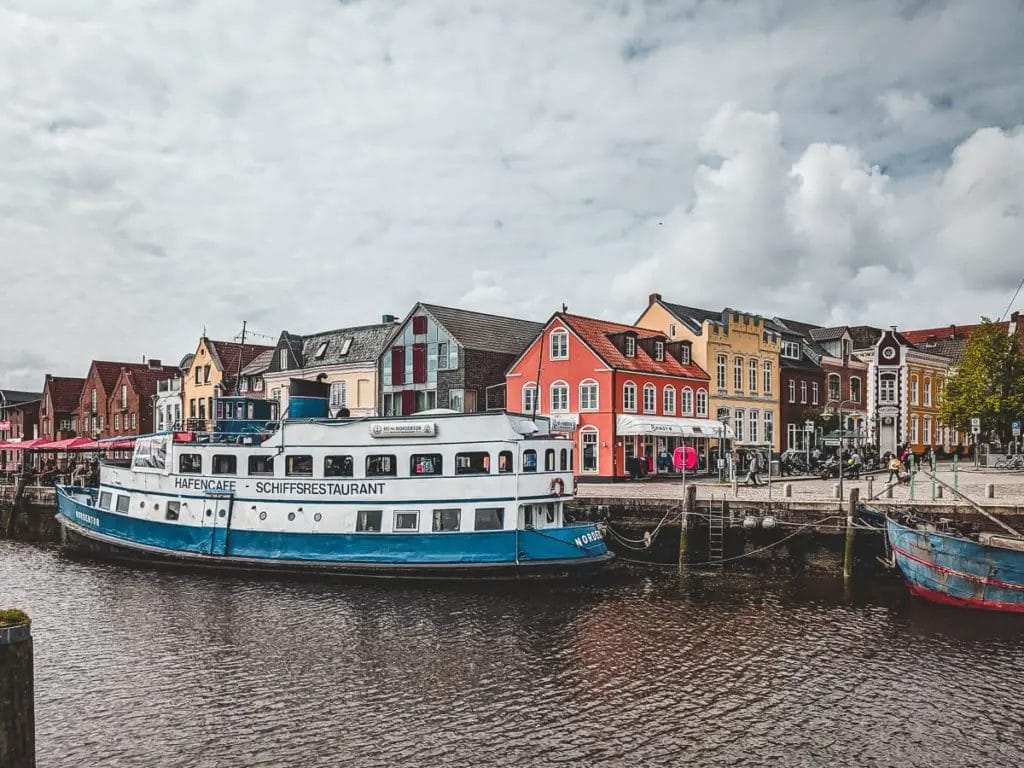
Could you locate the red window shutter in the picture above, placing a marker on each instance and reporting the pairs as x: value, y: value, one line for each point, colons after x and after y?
x: 398, y: 365
x: 419, y: 363
x: 419, y: 325
x: 408, y: 402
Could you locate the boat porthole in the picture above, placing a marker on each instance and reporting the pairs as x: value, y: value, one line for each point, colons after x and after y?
x: 263, y: 515
x: 156, y: 507
x: 318, y: 517
x: 291, y: 515
x: 142, y: 505
x: 222, y: 513
x: 209, y: 513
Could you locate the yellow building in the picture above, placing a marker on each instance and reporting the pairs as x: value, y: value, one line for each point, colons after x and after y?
x: 214, y: 371
x: 741, y: 353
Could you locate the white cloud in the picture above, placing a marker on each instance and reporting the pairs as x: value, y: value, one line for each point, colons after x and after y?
x: 305, y: 165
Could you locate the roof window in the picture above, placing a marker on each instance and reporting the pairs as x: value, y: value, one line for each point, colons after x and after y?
x: 320, y: 350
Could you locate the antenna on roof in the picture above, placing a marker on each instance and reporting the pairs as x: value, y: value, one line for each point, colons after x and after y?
x: 238, y: 375
x: 565, y: 307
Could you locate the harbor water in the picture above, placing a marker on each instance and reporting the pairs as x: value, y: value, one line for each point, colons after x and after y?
x: 164, y: 668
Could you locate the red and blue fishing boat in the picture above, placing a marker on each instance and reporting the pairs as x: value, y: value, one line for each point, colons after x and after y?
x: 983, y: 571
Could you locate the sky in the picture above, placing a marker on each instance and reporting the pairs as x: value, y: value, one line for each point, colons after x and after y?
x: 174, y: 166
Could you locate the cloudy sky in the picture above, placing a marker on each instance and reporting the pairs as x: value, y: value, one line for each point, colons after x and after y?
x: 170, y: 165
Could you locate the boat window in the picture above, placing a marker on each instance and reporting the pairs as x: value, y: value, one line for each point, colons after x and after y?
x: 527, y: 515
x: 173, y: 508
x: 337, y: 466
x: 368, y: 520
x: 549, y: 460
x: 190, y: 464
x: 530, y: 461
x: 505, y: 462
x: 447, y: 519
x: 225, y: 464
x: 122, y: 504
x: 476, y: 463
x: 425, y: 464
x: 300, y: 466
x: 261, y: 465
x: 549, y: 509
x: 489, y: 519
x: 105, y: 500
x: 407, y: 521
x: 563, y: 460
x: 381, y: 465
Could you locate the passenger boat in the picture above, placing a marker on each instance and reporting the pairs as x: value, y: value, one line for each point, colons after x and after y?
x: 984, y: 571
x: 438, y: 494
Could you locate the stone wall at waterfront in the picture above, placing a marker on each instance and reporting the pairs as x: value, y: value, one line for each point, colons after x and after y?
x: 34, y: 519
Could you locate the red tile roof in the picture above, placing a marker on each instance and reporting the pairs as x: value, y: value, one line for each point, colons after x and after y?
x: 595, y: 334
x: 65, y: 392
x: 109, y: 372
x: 144, y: 378
x: 228, y: 354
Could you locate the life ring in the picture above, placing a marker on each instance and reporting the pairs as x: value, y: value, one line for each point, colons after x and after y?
x: 558, y: 486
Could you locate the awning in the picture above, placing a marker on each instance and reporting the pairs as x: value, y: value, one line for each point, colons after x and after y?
x: 671, y: 426
x: 24, y: 445
x: 71, y: 444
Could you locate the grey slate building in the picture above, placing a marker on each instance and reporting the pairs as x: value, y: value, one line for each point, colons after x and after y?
x: 442, y: 357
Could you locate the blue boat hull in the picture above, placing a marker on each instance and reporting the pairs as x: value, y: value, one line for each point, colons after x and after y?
x: 957, y: 571
x: 504, y: 554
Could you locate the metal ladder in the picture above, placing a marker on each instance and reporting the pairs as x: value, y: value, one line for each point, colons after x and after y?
x: 716, y: 530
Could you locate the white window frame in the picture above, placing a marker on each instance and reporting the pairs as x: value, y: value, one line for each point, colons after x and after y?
x: 529, y: 393
x: 792, y: 390
x: 839, y: 387
x: 721, y: 372
x: 791, y: 350
x: 590, y: 430
x: 737, y: 373
x: 686, y: 401
x: 630, y: 346
x: 815, y: 394
x: 753, y: 424
x: 887, y: 394
x: 769, y: 427
x: 737, y: 423
x: 684, y: 354
x: 668, y: 400
x: 282, y: 360
x: 659, y: 351
x: 767, y: 370
x: 915, y: 394
x: 927, y: 392
x: 562, y: 353
x: 629, y: 397
x: 702, y: 402
x: 650, y: 389
x: 588, y: 403
x: 803, y: 392
x: 927, y: 432
x: 342, y: 388
x: 752, y: 371
x: 914, y: 433
x: 860, y: 389
x: 558, y: 387
x: 672, y: 330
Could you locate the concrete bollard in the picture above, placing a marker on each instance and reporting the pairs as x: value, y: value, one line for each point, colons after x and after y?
x: 871, y: 487
x: 17, y: 698
x: 835, y: 491
x: 888, y: 492
x: 787, y: 490
x: 990, y: 491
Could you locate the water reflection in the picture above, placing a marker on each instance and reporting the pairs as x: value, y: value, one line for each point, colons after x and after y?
x: 168, y: 669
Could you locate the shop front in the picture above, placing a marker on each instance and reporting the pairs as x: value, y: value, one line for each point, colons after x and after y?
x: 648, y: 442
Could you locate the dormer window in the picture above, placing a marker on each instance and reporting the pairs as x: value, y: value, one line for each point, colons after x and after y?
x: 559, y: 345
x: 630, y: 346
x: 659, y: 350
x: 320, y: 350
x: 283, y: 359
x: 791, y: 349
x: 684, y: 355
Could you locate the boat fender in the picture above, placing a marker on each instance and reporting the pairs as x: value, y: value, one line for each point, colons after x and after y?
x: 558, y: 486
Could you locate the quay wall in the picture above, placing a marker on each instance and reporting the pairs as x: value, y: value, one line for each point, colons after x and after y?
x: 17, y: 697
x: 33, y: 519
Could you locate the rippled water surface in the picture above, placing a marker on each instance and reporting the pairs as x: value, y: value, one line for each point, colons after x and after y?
x: 145, y: 668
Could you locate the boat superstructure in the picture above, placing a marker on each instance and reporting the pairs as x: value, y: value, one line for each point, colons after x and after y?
x: 438, y: 493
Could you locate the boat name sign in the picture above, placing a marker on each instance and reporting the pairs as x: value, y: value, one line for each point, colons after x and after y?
x: 286, y: 487
x: 399, y: 429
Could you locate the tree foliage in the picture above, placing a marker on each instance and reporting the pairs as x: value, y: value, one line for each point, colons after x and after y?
x: 988, y: 383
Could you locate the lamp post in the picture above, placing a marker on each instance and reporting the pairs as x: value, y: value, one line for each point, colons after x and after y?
x: 839, y: 407
x: 723, y: 420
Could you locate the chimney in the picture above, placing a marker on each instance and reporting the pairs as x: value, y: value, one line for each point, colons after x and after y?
x: 653, y: 298
x: 952, y: 331
x: 154, y: 364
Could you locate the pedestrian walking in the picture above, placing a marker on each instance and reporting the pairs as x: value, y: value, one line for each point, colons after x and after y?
x: 752, y: 470
x: 894, y: 468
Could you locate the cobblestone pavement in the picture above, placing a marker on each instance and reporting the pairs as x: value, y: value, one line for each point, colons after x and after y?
x: 1009, y: 488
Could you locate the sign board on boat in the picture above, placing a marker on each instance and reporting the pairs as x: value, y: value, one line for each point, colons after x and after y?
x: 975, y: 426
x: 404, y: 429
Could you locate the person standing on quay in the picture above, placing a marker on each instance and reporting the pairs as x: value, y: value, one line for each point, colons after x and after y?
x: 752, y: 469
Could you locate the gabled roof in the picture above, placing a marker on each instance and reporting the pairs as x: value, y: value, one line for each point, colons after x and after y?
x: 358, y: 344
x: 143, y: 378
x: 231, y: 357
x: 692, y: 316
x: 109, y: 372
x: 259, y: 364
x: 828, y: 334
x: 488, y: 333
x: 595, y: 333
x: 16, y: 396
x: 65, y: 392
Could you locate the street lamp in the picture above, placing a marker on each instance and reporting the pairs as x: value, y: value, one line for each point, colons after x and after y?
x: 723, y: 419
x: 839, y: 407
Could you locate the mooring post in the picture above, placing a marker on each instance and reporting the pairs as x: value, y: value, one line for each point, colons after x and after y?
x: 913, y: 477
x: 956, y: 472
x: 871, y: 487
x: 851, y: 511
x: 17, y: 698
x: 689, y: 505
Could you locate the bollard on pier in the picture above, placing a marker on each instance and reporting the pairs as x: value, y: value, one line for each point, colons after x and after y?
x: 990, y: 491
x: 787, y: 490
x: 17, y: 697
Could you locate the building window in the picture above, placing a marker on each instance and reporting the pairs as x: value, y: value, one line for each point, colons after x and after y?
x: 803, y: 391
x: 117, y: 422
x: 206, y: 374
x: 457, y: 400
x: 913, y: 391
x: 720, y: 372
x: 737, y: 423
x: 529, y: 398
x: 668, y: 405
x: 834, y: 386
x: 339, y: 394
x: 124, y: 395
x: 474, y: 463
x: 814, y: 393
x: 93, y: 399
x: 752, y: 368
x: 588, y: 395
x: 914, y: 435
x: 282, y: 360
x: 559, y: 344
x: 927, y: 430
x: 588, y: 449
x: 737, y: 374
x: 199, y: 375
x: 686, y: 402
x: 791, y: 349
x: 702, y: 402
x: 659, y: 351
x: 630, y: 346
x: 298, y: 466
x: 489, y: 519
x: 650, y: 398
x: 887, y: 388
x: 767, y: 387
x: 446, y: 520
x: 225, y: 464
x: 792, y: 390
x: 927, y: 393
x: 671, y: 330
x: 769, y: 427
x: 338, y: 466
x: 792, y: 436
x: 381, y: 465
x: 369, y: 520
x: 134, y: 422
x: 855, y: 388
x: 753, y: 425
x: 684, y: 355
x: 559, y: 397
x: 629, y: 397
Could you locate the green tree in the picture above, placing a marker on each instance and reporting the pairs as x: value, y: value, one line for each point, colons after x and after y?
x: 987, y: 383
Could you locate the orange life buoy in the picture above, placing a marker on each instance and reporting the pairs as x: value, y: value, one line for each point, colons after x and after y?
x: 558, y: 486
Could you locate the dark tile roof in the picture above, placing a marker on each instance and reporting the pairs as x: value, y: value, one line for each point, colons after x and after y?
x: 595, y: 333
x: 692, y: 316
x: 15, y: 396
x: 358, y: 344
x: 863, y: 336
x: 232, y: 357
x: 796, y: 326
x: 949, y: 348
x: 489, y: 333
x: 65, y: 392
x: 259, y: 364
x: 829, y: 334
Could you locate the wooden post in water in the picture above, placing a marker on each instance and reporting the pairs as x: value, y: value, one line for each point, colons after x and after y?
x: 689, y: 505
x: 17, y: 698
x: 851, y: 511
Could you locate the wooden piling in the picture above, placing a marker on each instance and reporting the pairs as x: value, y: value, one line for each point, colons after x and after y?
x: 17, y: 698
x: 851, y: 512
x: 689, y: 505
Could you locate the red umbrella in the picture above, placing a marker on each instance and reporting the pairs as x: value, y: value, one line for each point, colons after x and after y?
x: 26, y: 445
x: 70, y: 444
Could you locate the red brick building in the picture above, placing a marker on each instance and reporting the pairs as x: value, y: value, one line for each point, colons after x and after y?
x: 57, y: 407
x: 949, y: 341
x: 19, y: 421
x: 107, y: 394
x: 627, y: 394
